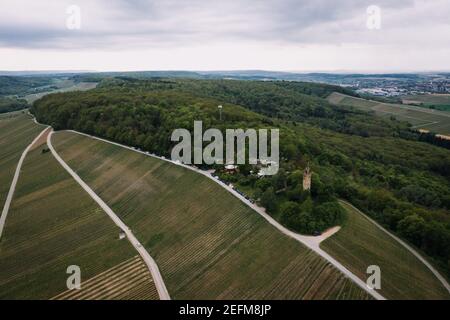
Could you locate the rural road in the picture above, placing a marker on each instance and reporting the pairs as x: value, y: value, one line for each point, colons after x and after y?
x: 12, y: 188
x: 411, y: 249
x: 151, y: 264
x: 309, y: 241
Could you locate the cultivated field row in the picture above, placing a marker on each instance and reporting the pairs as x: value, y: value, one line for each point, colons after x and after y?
x: 148, y: 260
x: 433, y: 120
x: 53, y: 224
x: 16, y: 132
x: 129, y: 280
x: 361, y: 243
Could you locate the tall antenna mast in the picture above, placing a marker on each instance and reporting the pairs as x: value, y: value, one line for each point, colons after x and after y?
x: 220, y: 112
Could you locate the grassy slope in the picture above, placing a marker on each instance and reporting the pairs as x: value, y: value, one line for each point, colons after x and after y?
x: 435, y: 121
x: 70, y: 86
x: 16, y: 133
x: 53, y: 223
x: 206, y: 242
x: 360, y: 244
x: 430, y: 99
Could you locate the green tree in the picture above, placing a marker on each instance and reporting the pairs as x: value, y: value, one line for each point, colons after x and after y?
x: 413, y: 228
x: 269, y: 200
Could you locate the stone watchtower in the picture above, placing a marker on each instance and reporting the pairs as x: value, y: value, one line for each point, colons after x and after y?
x: 307, y: 178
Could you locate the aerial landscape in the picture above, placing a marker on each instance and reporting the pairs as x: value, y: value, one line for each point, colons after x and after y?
x: 178, y: 169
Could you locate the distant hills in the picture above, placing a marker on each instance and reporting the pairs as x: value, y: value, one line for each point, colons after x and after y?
x: 239, y: 74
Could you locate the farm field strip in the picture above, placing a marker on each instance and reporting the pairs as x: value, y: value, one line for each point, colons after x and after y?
x: 82, y: 86
x: 206, y: 242
x: 340, y: 98
x: 12, y: 114
x: 43, y: 236
x: 151, y: 264
x: 433, y: 120
x: 129, y: 280
x: 426, y: 124
x: 408, y: 247
x: 405, y: 274
x: 428, y: 99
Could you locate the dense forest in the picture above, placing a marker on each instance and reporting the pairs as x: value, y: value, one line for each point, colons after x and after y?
x: 12, y: 104
x: 12, y: 85
x: 377, y: 164
x: 285, y: 100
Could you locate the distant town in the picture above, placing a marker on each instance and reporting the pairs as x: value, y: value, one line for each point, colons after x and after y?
x: 393, y: 87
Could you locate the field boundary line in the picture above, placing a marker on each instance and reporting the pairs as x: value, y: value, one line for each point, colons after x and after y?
x: 422, y: 125
x: 149, y: 261
x: 12, y: 187
x: 404, y: 244
x: 308, y: 241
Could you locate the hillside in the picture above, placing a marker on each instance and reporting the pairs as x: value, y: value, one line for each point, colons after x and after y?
x: 432, y: 120
x: 360, y: 243
x: 290, y: 101
x: 208, y: 245
x: 376, y: 164
x: 12, y: 104
x: 431, y: 101
x: 13, y: 85
x: 52, y: 224
x: 17, y: 131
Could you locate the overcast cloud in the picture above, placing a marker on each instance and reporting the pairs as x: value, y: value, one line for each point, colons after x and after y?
x: 233, y: 34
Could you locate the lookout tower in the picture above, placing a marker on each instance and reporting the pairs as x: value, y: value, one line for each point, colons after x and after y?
x: 307, y: 178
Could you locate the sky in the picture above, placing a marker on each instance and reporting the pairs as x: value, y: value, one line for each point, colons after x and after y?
x: 284, y: 35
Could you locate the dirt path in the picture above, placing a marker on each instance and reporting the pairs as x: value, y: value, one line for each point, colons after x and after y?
x: 151, y: 264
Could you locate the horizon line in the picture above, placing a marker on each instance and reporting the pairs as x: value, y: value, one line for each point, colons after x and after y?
x: 337, y: 71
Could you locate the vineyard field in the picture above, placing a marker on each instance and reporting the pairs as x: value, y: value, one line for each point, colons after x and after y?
x: 129, y: 280
x: 208, y: 244
x: 52, y: 224
x: 360, y: 243
x: 17, y: 131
